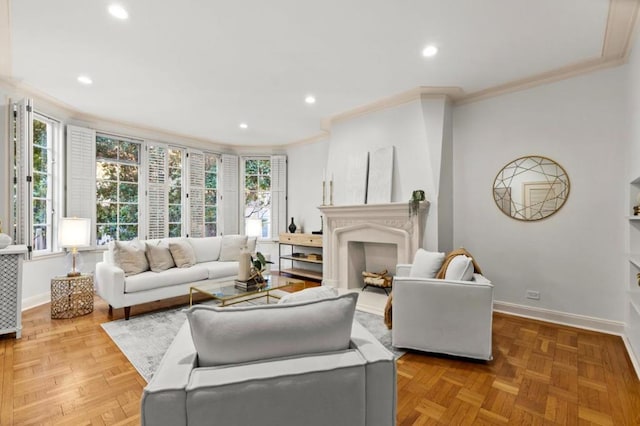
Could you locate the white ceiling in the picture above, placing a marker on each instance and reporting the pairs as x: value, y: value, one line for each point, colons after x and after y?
x: 199, y: 68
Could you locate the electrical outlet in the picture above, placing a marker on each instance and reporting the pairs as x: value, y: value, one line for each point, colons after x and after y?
x: 533, y: 294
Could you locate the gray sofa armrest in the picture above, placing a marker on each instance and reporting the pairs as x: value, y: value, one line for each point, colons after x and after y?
x: 164, y: 398
x: 403, y: 270
x: 381, y: 377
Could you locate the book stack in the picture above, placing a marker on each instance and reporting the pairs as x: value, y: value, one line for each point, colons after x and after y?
x: 246, y: 285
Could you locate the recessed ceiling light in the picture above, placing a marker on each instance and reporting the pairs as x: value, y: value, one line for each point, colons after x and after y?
x: 244, y: 126
x: 310, y: 99
x: 83, y: 79
x: 429, y: 51
x: 118, y: 11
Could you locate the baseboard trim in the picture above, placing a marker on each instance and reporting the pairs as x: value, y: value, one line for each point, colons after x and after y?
x: 563, y: 318
x: 37, y: 300
x: 632, y: 355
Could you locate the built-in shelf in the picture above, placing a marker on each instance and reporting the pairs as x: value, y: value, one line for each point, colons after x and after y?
x: 634, y: 218
x: 634, y: 299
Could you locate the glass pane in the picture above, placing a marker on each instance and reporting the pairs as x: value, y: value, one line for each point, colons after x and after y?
x: 265, y: 167
x: 210, y: 229
x: 210, y: 163
x: 40, y: 159
x: 175, y: 195
x: 128, y: 213
x: 210, y: 214
x: 106, y: 171
x: 128, y: 173
x: 40, y: 238
x: 128, y: 193
x: 107, y: 212
x: 106, y: 148
x: 175, y: 158
x: 175, y: 213
x: 105, y: 233
x: 39, y: 212
x: 175, y: 230
x: 210, y: 197
x: 251, y: 167
x: 251, y: 182
x: 40, y: 133
x: 210, y: 180
x: 175, y: 175
x: 265, y: 183
x: 128, y: 232
x: 106, y: 191
x: 129, y: 151
x: 40, y: 185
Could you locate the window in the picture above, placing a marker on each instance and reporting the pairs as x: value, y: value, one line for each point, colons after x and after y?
x: 210, y: 195
x: 36, y: 191
x: 257, y: 193
x: 117, y: 189
x: 175, y: 192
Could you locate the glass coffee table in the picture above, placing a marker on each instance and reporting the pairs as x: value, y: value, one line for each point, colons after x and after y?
x: 227, y: 293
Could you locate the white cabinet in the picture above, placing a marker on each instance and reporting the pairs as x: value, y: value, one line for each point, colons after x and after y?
x: 632, y: 323
x: 11, y: 289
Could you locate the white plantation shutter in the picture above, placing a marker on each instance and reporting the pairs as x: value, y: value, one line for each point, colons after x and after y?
x: 195, y: 191
x: 24, y: 136
x: 229, y: 201
x: 157, y: 192
x: 81, y: 175
x: 278, y: 195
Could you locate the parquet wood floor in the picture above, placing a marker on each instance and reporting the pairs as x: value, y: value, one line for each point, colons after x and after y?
x: 69, y: 372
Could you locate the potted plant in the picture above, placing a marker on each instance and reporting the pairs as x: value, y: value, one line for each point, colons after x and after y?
x: 258, y: 266
x: 414, y: 202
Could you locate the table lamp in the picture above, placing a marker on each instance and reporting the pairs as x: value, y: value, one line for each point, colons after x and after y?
x: 253, y: 227
x: 74, y: 232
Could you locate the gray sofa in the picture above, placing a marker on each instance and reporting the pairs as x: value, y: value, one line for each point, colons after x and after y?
x: 355, y: 386
x: 121, y: 291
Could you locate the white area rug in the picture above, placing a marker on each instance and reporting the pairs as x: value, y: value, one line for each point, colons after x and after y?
x: 145, y: 338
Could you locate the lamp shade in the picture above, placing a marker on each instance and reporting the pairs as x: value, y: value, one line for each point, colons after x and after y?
x: 253, y: 227
x: 74, y: 232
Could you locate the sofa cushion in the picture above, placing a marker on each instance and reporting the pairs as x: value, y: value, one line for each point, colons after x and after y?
x: 130, y: 257
x: 151, y: 280
x: 460, y: 268
x: 220, y: 269
x: 182, y: 253
x: 242, y: 334
x: 159, y: 257
x: 426, y: 264
x: 207, y: 249
x: 231, y: 246
x: 308, y: 294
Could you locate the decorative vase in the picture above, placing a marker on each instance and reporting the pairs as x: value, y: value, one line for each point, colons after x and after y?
x: 292, y: 227
x: 5, y: 240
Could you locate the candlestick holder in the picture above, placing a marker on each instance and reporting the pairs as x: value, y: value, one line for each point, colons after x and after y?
x: 324, y: 191
x: 330, y: 192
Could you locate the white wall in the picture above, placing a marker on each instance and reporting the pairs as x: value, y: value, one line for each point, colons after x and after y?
x: 575, y: 258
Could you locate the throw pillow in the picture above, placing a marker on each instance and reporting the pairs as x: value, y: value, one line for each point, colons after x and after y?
x: 159, y: 257
x: 426, y: 264
x: 309, y: 294
x: 243, y: 334
x: 130, y: 257
x: 231, y: 246
x: 182, y: 253
x: 460, y: 268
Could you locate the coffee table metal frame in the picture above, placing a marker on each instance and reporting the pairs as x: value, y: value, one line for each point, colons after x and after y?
x: 228, y: 294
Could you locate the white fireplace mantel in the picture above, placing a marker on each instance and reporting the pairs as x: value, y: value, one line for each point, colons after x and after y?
x: 371, y: 223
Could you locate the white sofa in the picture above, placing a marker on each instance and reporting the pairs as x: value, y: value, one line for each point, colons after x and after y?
x: 443, y: 316
x: 354, y: 386
x: 121, y: 291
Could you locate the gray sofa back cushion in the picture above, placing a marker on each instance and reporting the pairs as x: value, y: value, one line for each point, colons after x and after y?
x: 241, y: 334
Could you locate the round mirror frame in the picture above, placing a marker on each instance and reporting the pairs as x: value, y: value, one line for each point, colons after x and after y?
x: 561, y: 178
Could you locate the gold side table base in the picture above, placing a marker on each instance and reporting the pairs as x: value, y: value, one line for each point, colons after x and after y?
x: 71, y: 296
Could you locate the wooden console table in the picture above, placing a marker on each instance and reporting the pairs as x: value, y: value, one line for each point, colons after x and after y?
x: 310, y: 243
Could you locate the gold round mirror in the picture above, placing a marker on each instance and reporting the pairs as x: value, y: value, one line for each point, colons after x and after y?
x: 531, y: 188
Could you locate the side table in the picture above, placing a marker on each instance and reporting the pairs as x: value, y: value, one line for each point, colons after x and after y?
x: 71, y: 296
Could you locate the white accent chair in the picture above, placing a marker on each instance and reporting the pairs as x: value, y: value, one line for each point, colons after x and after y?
x: 442, y: 316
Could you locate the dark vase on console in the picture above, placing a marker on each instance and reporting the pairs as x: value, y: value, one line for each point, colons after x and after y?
x: 292, y: 227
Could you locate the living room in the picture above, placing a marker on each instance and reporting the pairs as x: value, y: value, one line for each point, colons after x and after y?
x: 562, y: 83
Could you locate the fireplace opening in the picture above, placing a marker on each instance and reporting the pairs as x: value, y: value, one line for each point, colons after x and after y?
x: 369, y: 256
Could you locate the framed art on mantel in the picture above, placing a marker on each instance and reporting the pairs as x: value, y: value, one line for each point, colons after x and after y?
x: 380, y: 176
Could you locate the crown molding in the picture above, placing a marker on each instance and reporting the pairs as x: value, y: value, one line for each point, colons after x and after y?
x: 619, y: 31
